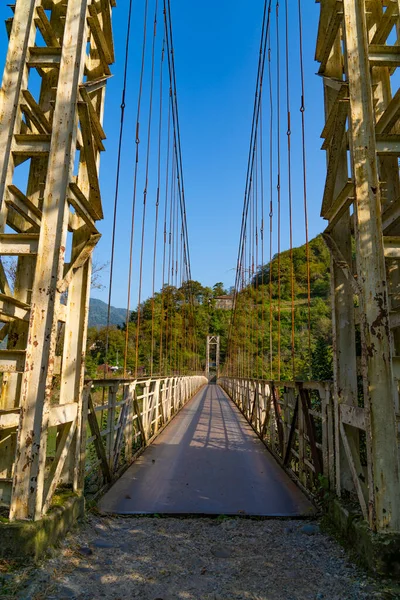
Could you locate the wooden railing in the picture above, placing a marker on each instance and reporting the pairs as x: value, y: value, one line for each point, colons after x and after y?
x: 294, y: 420
x: 123, y: 417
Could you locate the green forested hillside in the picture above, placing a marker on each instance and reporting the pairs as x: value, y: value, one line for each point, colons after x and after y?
x: 166, y: 321
x: 267, y: 283
x: 98, y: 314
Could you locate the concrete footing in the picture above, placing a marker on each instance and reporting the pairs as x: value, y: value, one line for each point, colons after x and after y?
x: 378, y: 552
x: 28, y: 539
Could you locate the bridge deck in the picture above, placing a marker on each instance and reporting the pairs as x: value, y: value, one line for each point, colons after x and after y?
x: 207, y: 461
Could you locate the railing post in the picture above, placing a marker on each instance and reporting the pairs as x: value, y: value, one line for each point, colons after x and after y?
x: 80, y: 458
x: 301, y: 430
x: 129, y: 422
x: 146, y: 409
x: 164, y: 390
x: 112, y: 400
x: 169, y: 398
x: 157, y: 398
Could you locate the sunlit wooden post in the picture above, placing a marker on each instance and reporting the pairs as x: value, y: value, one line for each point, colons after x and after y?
x: 55, y: 128
x: 362, y: 112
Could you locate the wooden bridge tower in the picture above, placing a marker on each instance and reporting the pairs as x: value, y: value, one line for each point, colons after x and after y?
x: 213, y: 341
x: 358, y: 51
x: 51, y: 136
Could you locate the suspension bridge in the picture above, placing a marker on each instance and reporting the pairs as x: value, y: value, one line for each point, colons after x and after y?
x: 266, y: 438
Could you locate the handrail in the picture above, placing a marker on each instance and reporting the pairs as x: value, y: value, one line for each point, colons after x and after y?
x: 124, y: 416
x: 295, y: 421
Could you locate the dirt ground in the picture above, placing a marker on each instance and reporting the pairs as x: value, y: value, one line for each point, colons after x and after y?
x: 194, y: 559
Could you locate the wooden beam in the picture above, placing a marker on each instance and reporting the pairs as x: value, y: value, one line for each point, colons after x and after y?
x: 341, y: 262
x: 11, y: 307
x: 353, y: 415
x: 386, y: 24
x: 356, y: 479
x: 16, y: 244
x: 98, y: 442
x: 101, y: 43
x: 78, y: 263
x: 44, y: 58
x: 94, y: 85
x: 105, y: 6
x: 335, y: 151
x: 12, y: 361
x: 328, y: 11
x: 388, y: 144
x: 292, y: 432
x: 15, y: 77
x: 392, y: 246
x: 37, y: 111
x: 97, y: 129
x: 82, y: 205
x: 22, y: 205
x: 330, y: 125
x: 30, y: 145
x: 381, y: 55
x: 63, y: 447
x: 340, y: 205
x: 62, y: 414
x: 90, y: 159
x: 45, y: 28
x: 331, y: 35
x: 9, y: 419
x: 29, y: 469
x: 378, y: 379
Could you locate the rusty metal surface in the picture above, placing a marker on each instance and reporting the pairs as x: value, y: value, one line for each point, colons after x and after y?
x: 207, y: 461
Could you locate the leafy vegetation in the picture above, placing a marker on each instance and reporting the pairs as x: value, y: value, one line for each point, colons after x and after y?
x: 168, y: 334
x: 262, y: 338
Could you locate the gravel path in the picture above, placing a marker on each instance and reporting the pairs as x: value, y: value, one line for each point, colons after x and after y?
x: 194, y: 559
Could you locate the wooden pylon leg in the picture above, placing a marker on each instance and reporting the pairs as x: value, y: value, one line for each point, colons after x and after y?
x: 50, y: 295
x: 362, y: 115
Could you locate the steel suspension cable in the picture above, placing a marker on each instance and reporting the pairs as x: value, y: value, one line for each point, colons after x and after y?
x: 117, y: 181
x: 290, y: 197
x: 254, y: 129
x: 165, y: 233
x: 250, y: 166
x: 304, y: 161
x: 262, y: 231
x: 178, y: 150
x: 145, y: 191
x: 160, y: 126
x: 278, y: 186
x: 271, y: 208
x: 135, y: 178
x: 170, y: 263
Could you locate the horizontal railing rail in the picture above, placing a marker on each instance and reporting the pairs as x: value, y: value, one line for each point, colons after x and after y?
x: 123, y: 417
x: 294, y: 420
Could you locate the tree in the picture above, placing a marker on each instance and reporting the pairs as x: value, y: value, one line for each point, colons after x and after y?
x: 322, y: 361
x: 219, y: 290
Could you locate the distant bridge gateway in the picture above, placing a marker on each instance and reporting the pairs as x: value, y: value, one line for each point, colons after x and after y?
x: 271, y: 438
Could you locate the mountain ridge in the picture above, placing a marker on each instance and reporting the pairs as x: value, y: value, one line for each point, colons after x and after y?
x: 98, y: 311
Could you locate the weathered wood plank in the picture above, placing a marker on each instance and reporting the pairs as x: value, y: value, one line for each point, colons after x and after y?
x: 12, y: 361
x: 12, y: 244
x: 45, y: 28
x: 98, y: 443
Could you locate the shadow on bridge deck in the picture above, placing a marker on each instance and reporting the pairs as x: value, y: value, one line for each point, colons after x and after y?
x: 208, y: 461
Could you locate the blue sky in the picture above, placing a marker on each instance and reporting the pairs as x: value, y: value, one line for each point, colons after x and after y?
x: 216, y: 54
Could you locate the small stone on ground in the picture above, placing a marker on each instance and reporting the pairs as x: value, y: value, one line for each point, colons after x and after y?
x: 195, y: 559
